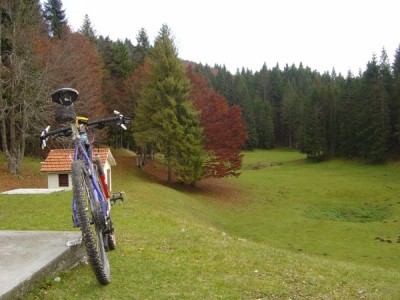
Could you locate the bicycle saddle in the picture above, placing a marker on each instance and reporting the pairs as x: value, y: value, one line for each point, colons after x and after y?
x: 65, y: 96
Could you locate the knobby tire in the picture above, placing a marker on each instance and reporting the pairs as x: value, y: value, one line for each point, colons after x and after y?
x: 112, y: 242
x: 92, y: 234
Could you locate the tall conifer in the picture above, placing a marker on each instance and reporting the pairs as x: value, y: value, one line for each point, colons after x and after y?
x: 375, y: 130
x: 87, y: 29
x: 166, y: 117
x: 55, y: 17
x: 396, y: 95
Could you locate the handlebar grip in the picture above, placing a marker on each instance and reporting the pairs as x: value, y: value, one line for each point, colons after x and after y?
x: 101, y: 123
x: 58, y: 131
x: 120, y: 120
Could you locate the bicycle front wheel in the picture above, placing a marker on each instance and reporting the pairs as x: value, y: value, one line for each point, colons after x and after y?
x: 90, y: 220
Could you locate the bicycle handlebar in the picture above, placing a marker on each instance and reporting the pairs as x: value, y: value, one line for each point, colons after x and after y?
x: 120, y: 120
x: 66, y: 131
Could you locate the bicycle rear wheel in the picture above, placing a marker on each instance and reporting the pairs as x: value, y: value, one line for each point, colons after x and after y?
x: 90, y: 220
x: 112, y: 241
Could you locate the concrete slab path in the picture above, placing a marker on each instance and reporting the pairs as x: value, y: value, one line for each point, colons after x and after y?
x: 26, y: 257
x: 32, y: 191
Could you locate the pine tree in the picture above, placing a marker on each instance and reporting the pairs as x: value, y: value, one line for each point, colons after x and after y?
x: 396, y: 96
x: 375, y: 130
x: 262, y: 83
x: 87, y: 29
x: 264, y: 123
x: 242, y: 98
x: 122, y: 61
x: 142, y: 48
x: 274, y: 92
x: 350, y: 117
x: 314, y: 142
x: 223, y: 83
x: 165, y: 115
x: 55, y: 17
x: 291, y: 108
x: 388, y: 85
x: 330, y: 107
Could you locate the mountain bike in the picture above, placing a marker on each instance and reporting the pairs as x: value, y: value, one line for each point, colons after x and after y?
x: 91, y: 203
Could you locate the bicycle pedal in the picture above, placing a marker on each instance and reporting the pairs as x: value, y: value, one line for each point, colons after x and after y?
x: 117, y: 196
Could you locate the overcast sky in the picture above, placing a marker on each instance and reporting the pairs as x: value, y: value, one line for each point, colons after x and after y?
x: 321, y: 34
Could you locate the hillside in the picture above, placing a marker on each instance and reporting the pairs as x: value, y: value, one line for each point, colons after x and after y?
x: 179, y: 242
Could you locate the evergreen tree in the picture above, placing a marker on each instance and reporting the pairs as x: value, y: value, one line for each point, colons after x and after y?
x: 105, y: 47
x: 122, y: 61
x: 395, y: 107
x: 375, y: 130
x: 55, y: 17
x: 350, y: 117
x: 223, y: 83
x: 131, y: 50
x: 242, y: 98
x: 165, y: 115
x: 274, y: 94
x: 87, y: 29
x: 264, y: 123
x: 262, y: 78
x: 330, y: 110
x: 313, y: 136
x: 388, y: 84
x: 142, y: 47
x: 291, y: 114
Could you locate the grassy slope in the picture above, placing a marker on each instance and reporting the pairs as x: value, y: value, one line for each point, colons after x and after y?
x: 179, y: 244
x: 285, y: 199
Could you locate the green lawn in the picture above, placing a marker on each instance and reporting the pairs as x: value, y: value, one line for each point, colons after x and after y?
x: 284, y: 235
x: 343, y: 210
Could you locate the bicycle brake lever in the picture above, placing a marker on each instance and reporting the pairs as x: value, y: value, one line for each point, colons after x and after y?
x: 121, y: 117
x: 43, y: 137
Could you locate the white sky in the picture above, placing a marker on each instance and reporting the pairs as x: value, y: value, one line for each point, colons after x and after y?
x: 321, y: 34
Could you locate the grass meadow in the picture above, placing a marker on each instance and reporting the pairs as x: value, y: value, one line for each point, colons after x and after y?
x: 285, y: 229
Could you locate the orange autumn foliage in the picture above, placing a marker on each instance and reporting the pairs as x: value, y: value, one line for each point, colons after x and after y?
x: 224, y: 129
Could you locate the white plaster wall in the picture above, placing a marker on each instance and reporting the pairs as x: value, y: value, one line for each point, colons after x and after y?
x: 52, y: 181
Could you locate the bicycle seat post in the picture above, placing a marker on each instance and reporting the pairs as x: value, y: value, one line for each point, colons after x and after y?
x: 75, y: 132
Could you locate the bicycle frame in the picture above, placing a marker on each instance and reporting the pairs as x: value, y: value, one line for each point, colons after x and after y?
x: 91, y: 203
x: 81, y: 152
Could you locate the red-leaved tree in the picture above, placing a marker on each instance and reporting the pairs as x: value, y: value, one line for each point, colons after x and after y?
x: 71, y: 62
x: 224, y: 129
x: 74, y: 62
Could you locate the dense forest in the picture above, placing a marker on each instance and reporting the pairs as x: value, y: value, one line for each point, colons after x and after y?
x: 198, y: 116
x: 322, y: 115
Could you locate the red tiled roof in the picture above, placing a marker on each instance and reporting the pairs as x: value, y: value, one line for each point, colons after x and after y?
x: 60, y: 159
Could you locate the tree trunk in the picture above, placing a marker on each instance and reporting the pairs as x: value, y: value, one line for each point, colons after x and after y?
x: 168, y: 158
x: 2, y: 108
